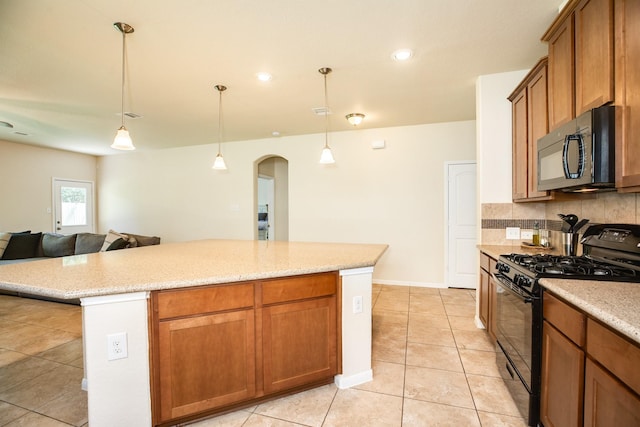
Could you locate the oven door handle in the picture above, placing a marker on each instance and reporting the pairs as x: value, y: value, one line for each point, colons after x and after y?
x: 506, y: 284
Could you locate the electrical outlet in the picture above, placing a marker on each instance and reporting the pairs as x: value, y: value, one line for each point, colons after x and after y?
x: 526, y: 235
x: 117, y: 346
x: 513, y: 233
x: 357, y: 304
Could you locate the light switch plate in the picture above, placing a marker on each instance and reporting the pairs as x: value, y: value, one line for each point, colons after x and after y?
x: 513, y: 233
x: 526, y: 234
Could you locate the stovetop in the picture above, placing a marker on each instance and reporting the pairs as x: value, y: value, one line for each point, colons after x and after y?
x: 572, y: 267
x: 611, y: 253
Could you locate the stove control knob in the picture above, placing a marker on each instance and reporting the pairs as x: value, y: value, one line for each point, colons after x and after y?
x: 523, y: 281
x: 503, y: 268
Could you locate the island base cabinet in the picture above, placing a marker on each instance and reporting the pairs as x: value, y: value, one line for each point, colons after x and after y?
x: 300, y: 343
x: 221, y: 347
x: 206, y: 362
x: 607, y: 401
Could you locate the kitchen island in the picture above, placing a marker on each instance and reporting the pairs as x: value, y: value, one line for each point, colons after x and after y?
x: 125, y: 294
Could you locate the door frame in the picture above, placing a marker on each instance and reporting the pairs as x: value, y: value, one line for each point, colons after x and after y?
x: 54, y: 180
x: 446, y: 215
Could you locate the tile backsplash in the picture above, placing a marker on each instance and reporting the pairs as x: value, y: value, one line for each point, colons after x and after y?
x: 601, y: 208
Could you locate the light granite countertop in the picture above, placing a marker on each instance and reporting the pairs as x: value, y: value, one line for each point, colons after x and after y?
x: 177, y: 265
x: 613, y: 303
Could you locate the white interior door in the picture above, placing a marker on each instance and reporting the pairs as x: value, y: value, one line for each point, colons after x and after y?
x: 462, y: 254
x: 73, y: 206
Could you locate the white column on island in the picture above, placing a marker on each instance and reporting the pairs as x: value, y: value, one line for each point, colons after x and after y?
x: 356, y: 328
x: 118, y: 391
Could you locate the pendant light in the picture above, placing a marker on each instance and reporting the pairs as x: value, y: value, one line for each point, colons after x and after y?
x: 122, y: 141
x: 326, y: 157
x: 219, y: 164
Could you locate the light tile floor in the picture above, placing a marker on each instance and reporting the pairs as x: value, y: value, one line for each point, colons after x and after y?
x: 432, y: 367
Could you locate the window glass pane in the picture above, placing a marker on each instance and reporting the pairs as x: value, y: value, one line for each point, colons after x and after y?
x: 73, y: 205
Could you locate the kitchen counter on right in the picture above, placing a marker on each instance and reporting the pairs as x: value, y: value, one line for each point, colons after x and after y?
x: 613, y: 303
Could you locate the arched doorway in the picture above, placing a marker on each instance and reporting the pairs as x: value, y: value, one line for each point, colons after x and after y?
x: 272, y: 198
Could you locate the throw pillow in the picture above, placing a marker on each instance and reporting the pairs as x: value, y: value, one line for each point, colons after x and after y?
x: 22, y: 246
x: 112, y: 236
x: 88, y: 243
x: 57, y: 245
x: 145, y: 240
x: 4, y: 241
x: 119, y: 243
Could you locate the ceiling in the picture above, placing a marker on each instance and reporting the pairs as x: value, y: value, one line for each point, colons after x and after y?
x: 60, y: 72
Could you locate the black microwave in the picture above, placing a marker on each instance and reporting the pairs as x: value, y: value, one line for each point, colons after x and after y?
x: 579, y: 155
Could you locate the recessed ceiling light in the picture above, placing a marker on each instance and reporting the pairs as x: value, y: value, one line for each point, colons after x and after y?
x: 275, y: 133
x: 264, y: 77
x: 402, y: 54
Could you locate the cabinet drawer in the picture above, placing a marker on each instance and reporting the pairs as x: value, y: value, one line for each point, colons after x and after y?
x: 487, y: 263
x: 565, y: 318
x: 298, y: 288
x: 615, y: 353
x: 192, y: 301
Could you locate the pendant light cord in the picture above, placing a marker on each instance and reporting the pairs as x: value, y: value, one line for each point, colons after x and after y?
x: 219, y: 121
x: 123, y: 65
x: 326, y: 114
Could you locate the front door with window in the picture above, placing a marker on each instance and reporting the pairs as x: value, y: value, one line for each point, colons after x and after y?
x: 73, y: 201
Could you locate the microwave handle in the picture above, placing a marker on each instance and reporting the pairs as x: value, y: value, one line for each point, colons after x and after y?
x: 581, y: 156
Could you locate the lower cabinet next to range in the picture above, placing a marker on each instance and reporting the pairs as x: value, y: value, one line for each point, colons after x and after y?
x: 223, y: 346
x: 589, y: 372
x: 487, y: 294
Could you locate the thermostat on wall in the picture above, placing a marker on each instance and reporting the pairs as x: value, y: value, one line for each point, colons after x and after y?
x: 377, y: 144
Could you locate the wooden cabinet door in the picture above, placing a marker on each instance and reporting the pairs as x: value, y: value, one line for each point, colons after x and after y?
x: 493, y: 289
x: 206, y: 362
x: 538, y: 126
x: 561, y: 75
x: 607, y: 402
x: 627, y: 64
x: 562, y: 380
x: 593, y: 54
x: 519, y: 141
x: 484, y: 298
x: 299, y: 343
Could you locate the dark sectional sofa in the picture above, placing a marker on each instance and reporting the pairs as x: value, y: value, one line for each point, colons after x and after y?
x: 27, y: 246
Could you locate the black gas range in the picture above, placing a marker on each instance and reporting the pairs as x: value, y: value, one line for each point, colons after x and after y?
x: 611, y: 252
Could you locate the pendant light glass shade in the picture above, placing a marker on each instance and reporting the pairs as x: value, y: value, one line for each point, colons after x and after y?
x: 219, y: 163
x: 327, y: 156
x: 122, y: 141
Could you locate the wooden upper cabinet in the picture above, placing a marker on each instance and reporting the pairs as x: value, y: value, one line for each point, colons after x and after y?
x: 519, y: 141
x: 538, y: 126
x: 530, y: 122
x: 627, y: 64
x: 593, y: 54
x: 580, y: 59
x: 561, y: 74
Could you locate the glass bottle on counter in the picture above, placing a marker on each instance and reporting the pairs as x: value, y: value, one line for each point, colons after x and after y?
x: 536, y: 234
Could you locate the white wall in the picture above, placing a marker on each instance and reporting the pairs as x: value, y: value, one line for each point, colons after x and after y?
x: 393, y: 196
x: 493, y: 122
x: 26, y: 175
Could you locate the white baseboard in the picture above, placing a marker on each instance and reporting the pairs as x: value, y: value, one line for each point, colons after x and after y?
x: 406, y: 283
x: 353, y: 380
x: 478, y: 323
